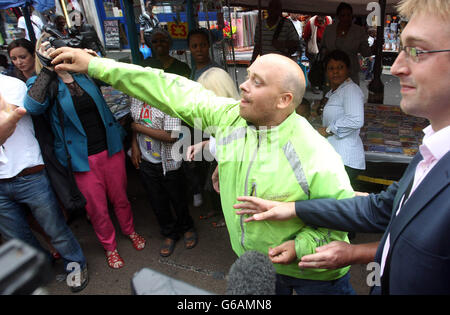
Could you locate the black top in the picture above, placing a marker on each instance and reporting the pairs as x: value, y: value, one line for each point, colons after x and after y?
x: 91, y: 121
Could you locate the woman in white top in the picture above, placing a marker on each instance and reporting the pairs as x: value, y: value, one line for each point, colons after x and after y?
x: 343, y: 114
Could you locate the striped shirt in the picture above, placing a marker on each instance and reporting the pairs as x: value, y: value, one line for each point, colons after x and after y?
x: 287, y: 32
x: 344, y: 115
x: 148, y: 23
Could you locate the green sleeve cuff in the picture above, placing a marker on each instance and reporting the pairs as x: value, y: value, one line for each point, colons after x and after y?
x: 304, y: 246
x: 310, y: 238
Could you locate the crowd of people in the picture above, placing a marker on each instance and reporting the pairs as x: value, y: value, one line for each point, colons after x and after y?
x: 307, y: 215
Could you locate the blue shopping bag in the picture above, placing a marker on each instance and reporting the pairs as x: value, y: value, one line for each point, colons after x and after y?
x: 145, y: 51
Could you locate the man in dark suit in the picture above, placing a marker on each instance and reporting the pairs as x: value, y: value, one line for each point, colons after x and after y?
x: 413, y: 256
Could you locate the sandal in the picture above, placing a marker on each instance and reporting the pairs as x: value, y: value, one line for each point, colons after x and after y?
x: 167, y: 247
x: 114, y: 259
x: 138, y: 241
x: 190, y: 241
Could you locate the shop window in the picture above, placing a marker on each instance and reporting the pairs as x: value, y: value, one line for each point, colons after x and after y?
x: 112, y: 8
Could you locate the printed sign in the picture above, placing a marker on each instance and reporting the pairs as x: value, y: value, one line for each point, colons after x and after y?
x: 178, y: 31
x: 112, y: 38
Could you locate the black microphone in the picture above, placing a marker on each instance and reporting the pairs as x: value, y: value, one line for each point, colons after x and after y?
x: 251, y: 274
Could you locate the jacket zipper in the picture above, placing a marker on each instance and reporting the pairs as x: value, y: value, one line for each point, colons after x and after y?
x: 252, y: 192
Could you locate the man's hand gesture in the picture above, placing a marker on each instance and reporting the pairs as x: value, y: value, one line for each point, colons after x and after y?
x: 262, y: 209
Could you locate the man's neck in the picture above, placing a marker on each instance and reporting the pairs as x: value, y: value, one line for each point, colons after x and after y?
x: 273, y: 123
x: 438, y: 125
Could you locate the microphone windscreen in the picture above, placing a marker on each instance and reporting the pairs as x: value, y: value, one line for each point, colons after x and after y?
x: 251, y: 274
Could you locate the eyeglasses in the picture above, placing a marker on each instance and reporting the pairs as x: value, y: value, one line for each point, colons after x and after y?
x: 413, y: 53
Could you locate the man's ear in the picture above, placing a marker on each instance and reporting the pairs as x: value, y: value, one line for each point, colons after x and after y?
x: 285, y: 100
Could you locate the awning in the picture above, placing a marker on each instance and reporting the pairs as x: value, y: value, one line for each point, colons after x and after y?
x: 317, y: 6
x: 39, y: 5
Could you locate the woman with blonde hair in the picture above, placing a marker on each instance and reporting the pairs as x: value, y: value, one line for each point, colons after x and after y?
x: 93, y: 139
x: 220, y: 82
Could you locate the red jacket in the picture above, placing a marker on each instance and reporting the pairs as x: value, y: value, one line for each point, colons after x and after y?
x: 320, y: 29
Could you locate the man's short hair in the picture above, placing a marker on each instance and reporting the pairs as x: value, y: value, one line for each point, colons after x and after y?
x: 292, y: 83
x: 198, y: 31
x: 440, y: 8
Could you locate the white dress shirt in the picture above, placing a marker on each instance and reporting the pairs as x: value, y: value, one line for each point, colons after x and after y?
x: 343, y: 114
x: 434, y: 146
x: 21, y: 150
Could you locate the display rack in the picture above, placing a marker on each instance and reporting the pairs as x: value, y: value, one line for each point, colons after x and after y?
x: 388, y: 135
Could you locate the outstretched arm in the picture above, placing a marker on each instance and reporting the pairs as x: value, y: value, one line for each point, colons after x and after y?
x: 362, y: 213
x: 173, y: 94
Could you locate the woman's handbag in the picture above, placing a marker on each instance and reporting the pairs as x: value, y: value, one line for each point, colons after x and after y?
x: 61, y: 178
x: 75, y: 200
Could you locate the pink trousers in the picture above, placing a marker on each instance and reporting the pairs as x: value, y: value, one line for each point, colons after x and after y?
x: 107, y: 179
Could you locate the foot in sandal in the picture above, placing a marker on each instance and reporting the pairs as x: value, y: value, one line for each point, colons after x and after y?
x: 138, y: 241
x: 114, y: 259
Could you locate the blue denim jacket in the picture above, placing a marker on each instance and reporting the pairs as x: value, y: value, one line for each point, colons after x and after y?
x: 75, y: 135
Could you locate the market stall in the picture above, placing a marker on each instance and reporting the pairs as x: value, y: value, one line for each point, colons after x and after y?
x: 388, y: 134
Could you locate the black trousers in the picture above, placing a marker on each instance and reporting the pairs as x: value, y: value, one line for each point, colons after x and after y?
x: 164, y: 191
x: 352, y: 175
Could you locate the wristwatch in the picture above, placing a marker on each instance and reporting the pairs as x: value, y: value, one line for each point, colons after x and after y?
x: 328, y: 131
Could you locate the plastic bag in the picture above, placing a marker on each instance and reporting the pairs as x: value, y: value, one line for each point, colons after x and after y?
x: 145, y: 51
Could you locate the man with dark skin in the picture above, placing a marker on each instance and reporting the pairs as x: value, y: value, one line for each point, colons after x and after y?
x: 285, y: 43
x: 198, y: 42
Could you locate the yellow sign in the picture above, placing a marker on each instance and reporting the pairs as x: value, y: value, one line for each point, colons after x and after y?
x: 178, y: 31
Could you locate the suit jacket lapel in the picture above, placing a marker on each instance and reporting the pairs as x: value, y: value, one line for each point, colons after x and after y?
x: 431, y: 185
x: 436, y: 180
x: 402, y: 187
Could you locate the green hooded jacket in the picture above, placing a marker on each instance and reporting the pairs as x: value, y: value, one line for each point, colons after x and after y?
x: 287, y: 163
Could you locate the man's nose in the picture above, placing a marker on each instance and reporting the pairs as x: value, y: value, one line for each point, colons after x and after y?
x: 243, y: 86
x: 400, y: 65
